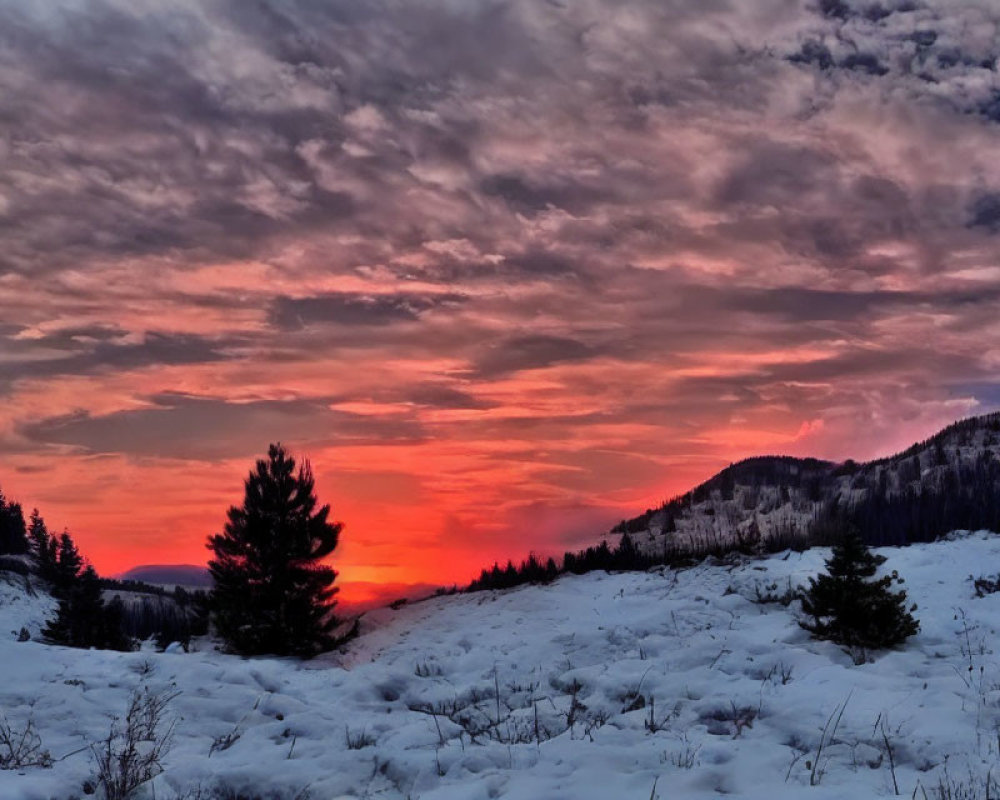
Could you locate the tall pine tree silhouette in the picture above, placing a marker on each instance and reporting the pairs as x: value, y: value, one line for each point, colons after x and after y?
x: 272, y: 593
x: 850, y: 606
x: 38, y: 538
x: 13, y: 534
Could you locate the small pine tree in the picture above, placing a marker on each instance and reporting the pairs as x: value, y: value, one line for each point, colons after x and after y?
x: 272, y: 592
x: 850, y: 606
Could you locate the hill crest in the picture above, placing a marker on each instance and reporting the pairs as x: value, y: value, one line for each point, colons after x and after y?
x: 949, y: 481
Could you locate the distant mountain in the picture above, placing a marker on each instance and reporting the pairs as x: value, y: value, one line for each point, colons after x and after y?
x: 948, y: 482
x: 170, y: 575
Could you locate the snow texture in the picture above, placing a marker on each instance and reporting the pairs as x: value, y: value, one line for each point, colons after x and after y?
x: 608, y: 685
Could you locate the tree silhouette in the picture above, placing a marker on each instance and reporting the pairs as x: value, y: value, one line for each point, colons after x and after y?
x: 852, y: 607
x: 38, y: 538
x: 82, y: 618
x: 272, y: 593
x: 13, y: 534
x: 67, y: 565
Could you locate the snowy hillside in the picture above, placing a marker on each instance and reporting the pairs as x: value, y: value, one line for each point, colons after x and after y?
x: 948, y: 482
x: 608, y: 684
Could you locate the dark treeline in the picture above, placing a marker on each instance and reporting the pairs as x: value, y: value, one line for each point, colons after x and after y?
x: 131, y: 585
x: 625, y: 557
x: 166, y: 617
x: 965, y: 496
x: 83, y: 617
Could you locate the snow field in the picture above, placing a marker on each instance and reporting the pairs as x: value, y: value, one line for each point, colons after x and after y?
x: 607, y: 685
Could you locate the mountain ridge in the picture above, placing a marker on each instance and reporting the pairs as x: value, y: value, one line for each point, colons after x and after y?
x: 949, y: 481
x: 169, y: 574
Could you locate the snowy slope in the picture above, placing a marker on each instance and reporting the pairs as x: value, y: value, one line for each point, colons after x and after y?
x: 739, y: 694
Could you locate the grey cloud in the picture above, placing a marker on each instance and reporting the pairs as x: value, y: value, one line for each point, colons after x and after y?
x: 813, y: 52
x: 529, y: 197
x: 835, y: 8
x: 798, y: 304
x: 542, y: 262
x: 96, y: 348
x: 986, y: 212
x: 771, y: 172
x: 531, y: 352
x: 343, y: 308
x: 179, y: 426
x: 436, y: 396
x: 901, y: 363
x: 864, y: 62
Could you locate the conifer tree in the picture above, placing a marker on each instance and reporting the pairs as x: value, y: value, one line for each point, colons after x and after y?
x: 67, y: 564
x: 272, y: 592
x: 13, y: 534
x: 626, y: 556
x: 43, y: 548
x: 113, y: 636
x: 38, y: 534
x: 82, y: 618
x: 850, y: 606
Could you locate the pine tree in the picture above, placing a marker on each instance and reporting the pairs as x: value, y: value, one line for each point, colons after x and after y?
x: 13, y: 533
x: 850, y: 606
x: 83, y: 620
x: 626, y: 556
x: 67, y: 563
x: 112, y: 633
x: 42, y: 549
x: 38, y: 534
x: 272, y: 593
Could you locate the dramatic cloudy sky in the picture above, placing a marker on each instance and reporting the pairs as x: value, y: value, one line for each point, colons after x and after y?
x: 505, y: 270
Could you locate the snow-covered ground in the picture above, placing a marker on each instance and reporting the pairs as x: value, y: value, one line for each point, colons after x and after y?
x: 734, y: 695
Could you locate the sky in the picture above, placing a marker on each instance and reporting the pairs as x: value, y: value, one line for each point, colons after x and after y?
x: 505, y: 271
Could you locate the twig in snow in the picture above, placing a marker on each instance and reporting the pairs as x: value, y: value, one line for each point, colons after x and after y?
x: 815, y: 772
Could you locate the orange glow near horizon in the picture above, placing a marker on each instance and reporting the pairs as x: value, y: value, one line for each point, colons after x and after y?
x: 424, y: 513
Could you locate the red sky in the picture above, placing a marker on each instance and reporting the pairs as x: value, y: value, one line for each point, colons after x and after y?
x: 504, y: 272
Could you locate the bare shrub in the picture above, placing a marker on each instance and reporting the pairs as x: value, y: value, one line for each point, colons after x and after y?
x: 227, y: 740
x: 358, y: 741
x: 732, y: 719
x: 974, y: 787
x: 131, y: 753
x: 768, y: 593
x: 685, y: 758
x: 427, y: 670
x: 817, y: 767
x: 222, y: 791
x: 20, y: 749
x: 654, y: 723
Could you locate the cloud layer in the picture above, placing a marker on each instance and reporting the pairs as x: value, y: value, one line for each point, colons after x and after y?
x: 505, y: 270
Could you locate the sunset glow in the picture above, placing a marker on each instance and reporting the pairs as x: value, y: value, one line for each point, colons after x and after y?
x: 505, y: 273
